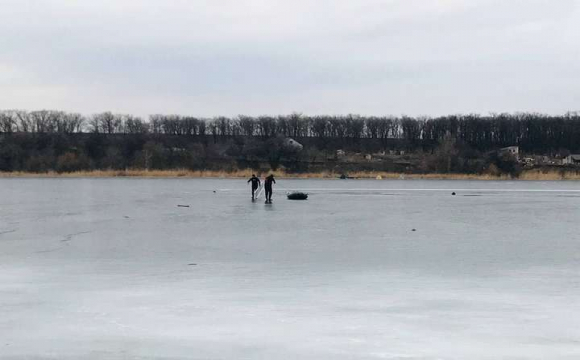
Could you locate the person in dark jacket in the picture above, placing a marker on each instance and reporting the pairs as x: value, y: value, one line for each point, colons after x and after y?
x: 268, y: 187
x: 255, y: 184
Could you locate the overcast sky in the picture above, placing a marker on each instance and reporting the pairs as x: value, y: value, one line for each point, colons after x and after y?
x: 230, y: 57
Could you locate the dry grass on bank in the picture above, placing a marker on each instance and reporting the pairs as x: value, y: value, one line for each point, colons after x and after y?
x: 540, y: 175
x: 537, y: 175
x: 433, y: 176
x: 177, y: 173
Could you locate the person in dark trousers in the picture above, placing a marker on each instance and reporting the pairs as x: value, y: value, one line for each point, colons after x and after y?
x: 268, y: 187
x: 255, y: 184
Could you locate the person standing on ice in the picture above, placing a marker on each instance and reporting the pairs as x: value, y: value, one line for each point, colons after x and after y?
x: 255, y: 184
x: 268, y: 187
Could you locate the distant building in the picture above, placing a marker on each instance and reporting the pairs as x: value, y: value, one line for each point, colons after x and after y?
x: 512, y: 150
x: 571, y: 160
x: 340, y: 153
x: 530, y: 161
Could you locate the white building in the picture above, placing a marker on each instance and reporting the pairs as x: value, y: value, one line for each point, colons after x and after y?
x: 512, y: 150
x: 571, y: 160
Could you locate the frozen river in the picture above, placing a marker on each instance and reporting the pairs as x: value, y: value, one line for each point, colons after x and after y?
x: 114, y: 269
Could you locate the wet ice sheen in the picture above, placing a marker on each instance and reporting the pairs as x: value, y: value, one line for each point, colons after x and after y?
x: 113, y: 268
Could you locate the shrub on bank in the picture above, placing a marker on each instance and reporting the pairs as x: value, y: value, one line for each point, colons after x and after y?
x: 71, y: 162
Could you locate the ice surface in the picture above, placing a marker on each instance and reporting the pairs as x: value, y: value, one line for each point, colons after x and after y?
x: 114, y: 269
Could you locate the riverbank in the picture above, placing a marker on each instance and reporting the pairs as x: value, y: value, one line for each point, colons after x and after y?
x: 537, y: 175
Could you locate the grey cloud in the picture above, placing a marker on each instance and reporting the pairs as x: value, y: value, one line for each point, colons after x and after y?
x: 258, y: 56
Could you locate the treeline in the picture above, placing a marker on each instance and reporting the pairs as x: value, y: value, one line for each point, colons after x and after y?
x: 534, y: 133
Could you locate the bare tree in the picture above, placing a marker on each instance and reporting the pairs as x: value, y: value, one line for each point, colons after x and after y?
x: 189, y: 125
x: 266, y: 126
x: 156, y: 123
x: 8, y: 122
x: 108, y: 122
x: 247, y: 125
x: 282, y: 126
x: 94, y: 124
x: 74, y: 123
x: 213, y: 129
x: 170, y: 124
x: 354, y: 126
x: 319, y: 126
x: 372, y: 126
x: 43, y: 121
x: 223, y: 125
x: 297, y: 125
x: 135, y: 125
x: 338, y: 127
x: 201, y: 127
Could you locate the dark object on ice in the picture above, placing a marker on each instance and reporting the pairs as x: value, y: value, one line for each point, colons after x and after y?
x: 344, y: 177
x: 453, y: 193
x: 297, y: 195
x: 182, y: 205
x: 192, y: 264
x: 414, y: 230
